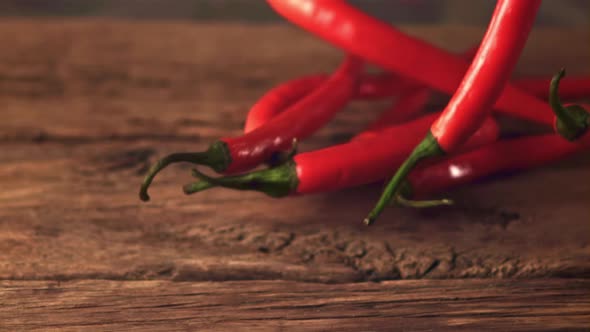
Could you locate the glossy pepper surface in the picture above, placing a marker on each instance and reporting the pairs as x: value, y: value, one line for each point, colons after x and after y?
x: 380, y: 43
x: 482, y: 85
x: 340, y: 166
x: 302, y: 119
x: 501, y: 156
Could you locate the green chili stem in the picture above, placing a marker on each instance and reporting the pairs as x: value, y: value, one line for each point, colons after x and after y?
x: 278, y: 181
x: 429, y: 147
x: 406, y: 190
x: 216, y: 157
x: 572, y: 121
x: 198, y: 186
x: 421, y: 204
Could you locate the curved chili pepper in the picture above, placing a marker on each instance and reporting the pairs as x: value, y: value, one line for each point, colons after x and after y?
x: 570, y: 88
x: 406, y: 106
x: 299, y: 121
x: 505, y: 155
x: 370, y: 87
x: 385, y: 85
x: 571, y: 121
x: 281, y: 97
x: 410, y: 102
x: 339, y: 166
x: 382, y: 44
x: 413, y: 98
x: 483, y: 83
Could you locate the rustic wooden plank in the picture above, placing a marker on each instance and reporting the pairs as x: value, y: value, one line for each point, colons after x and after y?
x: 94, y: 79
x: 87, y: 105
x: 71, y: 211
x: 436, y: 305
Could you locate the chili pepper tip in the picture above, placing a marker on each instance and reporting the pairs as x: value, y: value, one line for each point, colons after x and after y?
x: 572, y: 121
x: 216, y: 157
x: 429, y: 147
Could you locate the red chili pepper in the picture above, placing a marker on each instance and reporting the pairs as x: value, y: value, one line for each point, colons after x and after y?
x: 406, y: 106
x: 340, y: 166
x: 382, y: 44
x: 281, y: 97
x: 501, y: 156
x: 570, y: 88
x: 299, y: 121
x: 410, y: 98
x: 482, y: 85
x: 409, y: 103
x: 384, y: 85
x: 370, y: 87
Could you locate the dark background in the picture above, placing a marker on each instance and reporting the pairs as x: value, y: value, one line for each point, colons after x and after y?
x: 553, y: 12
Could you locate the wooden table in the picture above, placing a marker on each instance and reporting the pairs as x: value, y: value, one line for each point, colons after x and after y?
x: 87, y: 105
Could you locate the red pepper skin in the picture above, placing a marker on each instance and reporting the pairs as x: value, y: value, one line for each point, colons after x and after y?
x: 345, y: 165
x: 383, y: 85
x: 382, y: 44
x: 340, y: 166
x: 488, y: 74
x: 284, y: 95
x: 232, y: 155
x: 387, y: 85
x: 570, y: 87
x: 407, y: 105
x: 280, y: 98
x: 412, y: 97
x: 471, y: 103
x: 501, y: 156
x: 299, y: 121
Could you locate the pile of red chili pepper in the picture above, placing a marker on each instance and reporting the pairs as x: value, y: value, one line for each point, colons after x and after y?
x: 422, y: 153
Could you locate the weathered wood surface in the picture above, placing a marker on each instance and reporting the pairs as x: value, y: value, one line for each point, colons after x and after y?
x: 85, y: 106
x: 422, y: 305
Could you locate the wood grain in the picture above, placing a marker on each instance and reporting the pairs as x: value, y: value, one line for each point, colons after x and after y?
x: 87, y: 105
x: 82, y: 81
x: 71, y: 211
x: 436, y: 305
